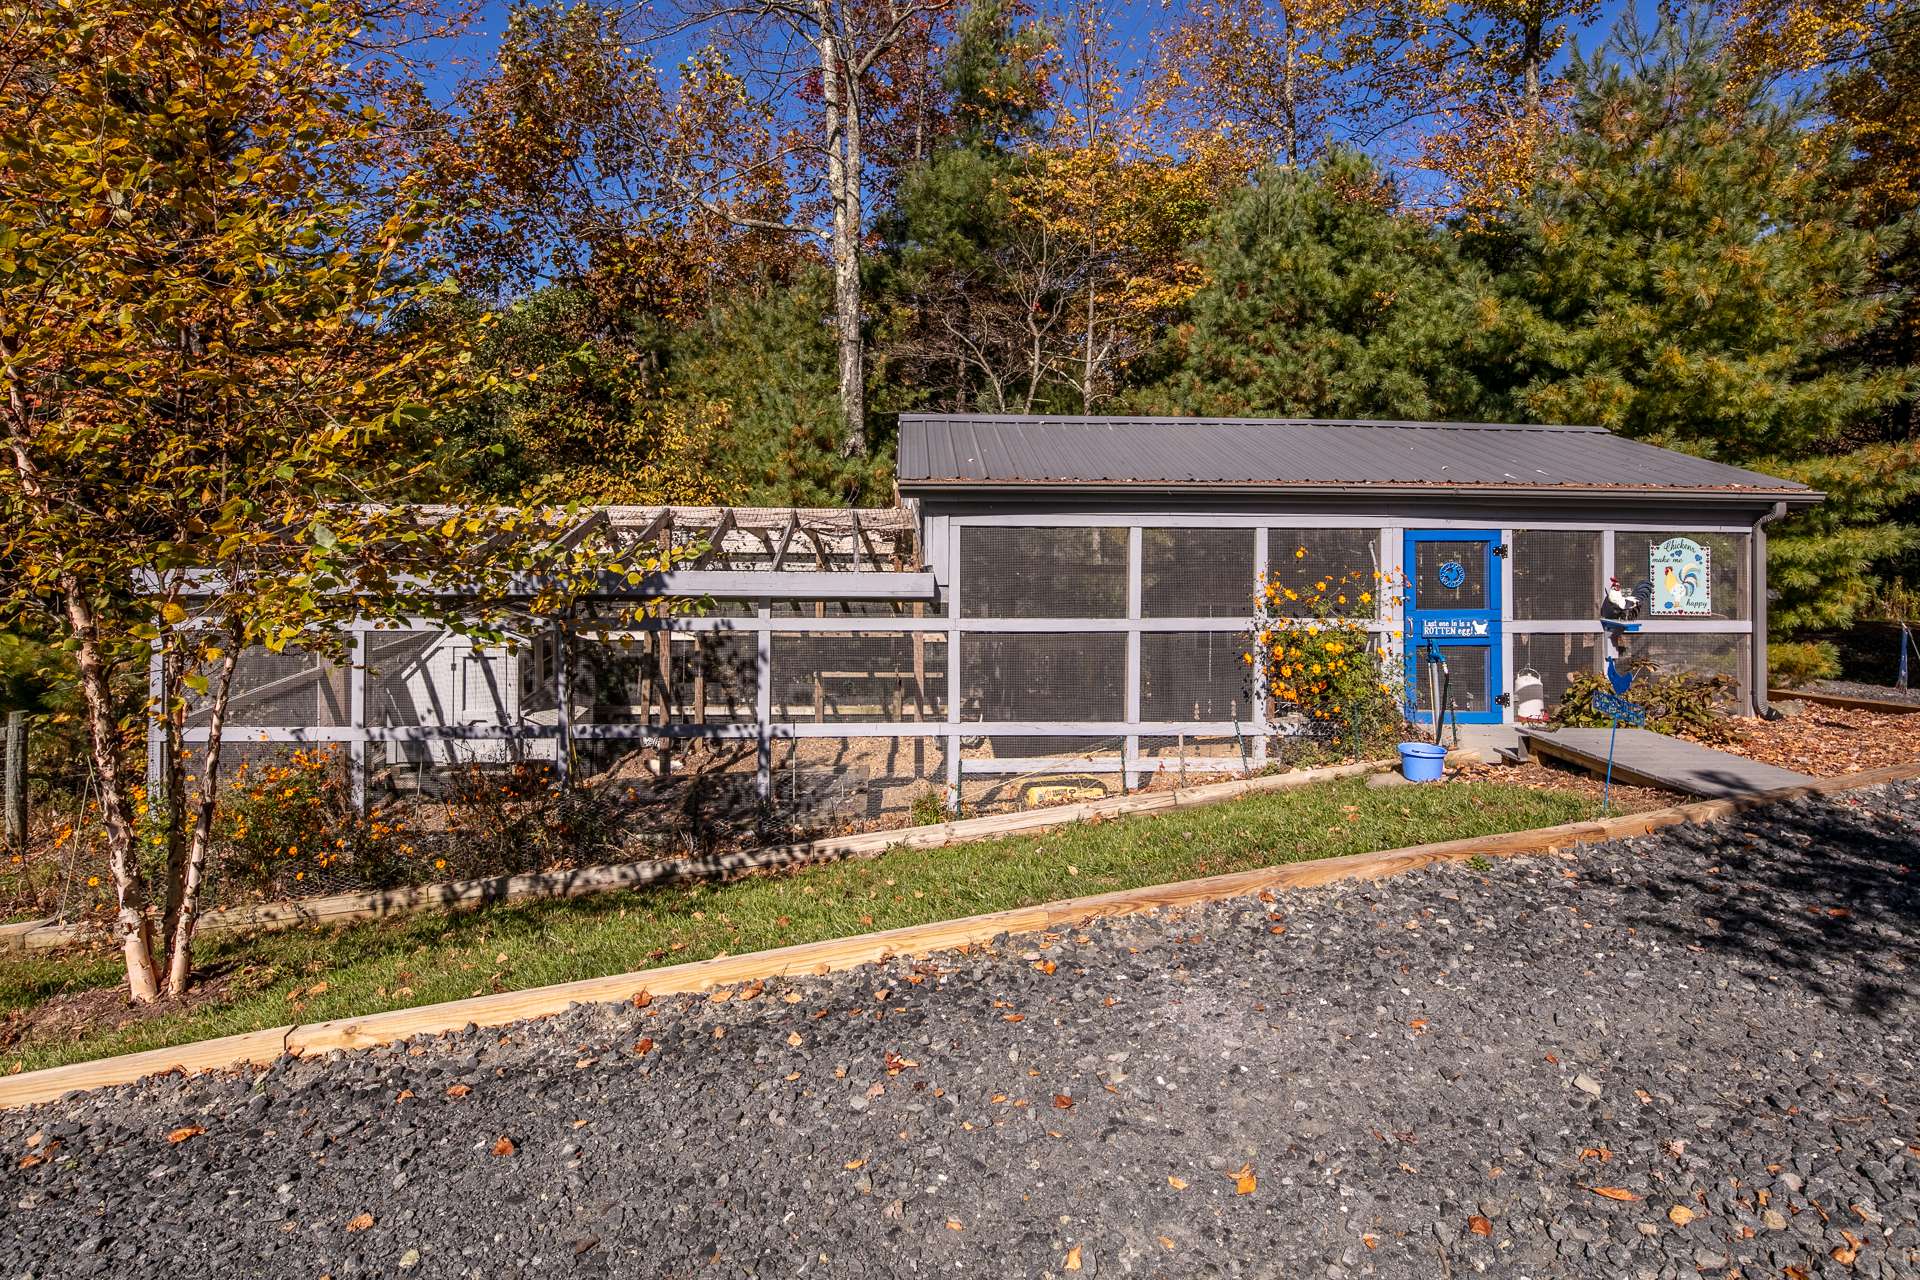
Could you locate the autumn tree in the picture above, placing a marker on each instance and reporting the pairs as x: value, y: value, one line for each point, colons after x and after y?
x: 1785, y: 39
x: 862, y: 66
x: 1268, y: 80
x: 205, y: 390
x: 1471, y: 87
x: 1692, y: 273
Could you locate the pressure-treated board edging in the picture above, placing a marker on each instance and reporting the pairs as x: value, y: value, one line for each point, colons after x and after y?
x: 455, y: 895
x: 1881, y: 705
x: 842, y: 953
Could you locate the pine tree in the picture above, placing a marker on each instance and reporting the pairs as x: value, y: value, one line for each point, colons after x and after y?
x: 1690, y: 272
x: 1323, y: 299
x: 766, y: 359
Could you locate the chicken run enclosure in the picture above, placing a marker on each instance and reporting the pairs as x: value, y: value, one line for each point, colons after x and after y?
x: 1054, y: 606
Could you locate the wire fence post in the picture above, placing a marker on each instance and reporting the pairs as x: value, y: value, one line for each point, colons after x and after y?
x: 14, y: 790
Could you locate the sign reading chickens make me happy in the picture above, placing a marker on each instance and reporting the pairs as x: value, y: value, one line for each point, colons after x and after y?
x: 1681, y: 572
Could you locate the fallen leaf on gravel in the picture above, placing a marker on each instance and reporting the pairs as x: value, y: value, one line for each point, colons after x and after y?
x: 1602, y: 1154
x: 641, y: 999
x: 721, y: 996
x: 793, y: 997
x: 459, y: 1090
x: 875, y: 1089
x: 1178, y: 1184
x: 359, y: 1222
x: 853, y: 1164
x: 1614, y: 1193
x: 643, y: 1046
x: 1073, y: 1260
x: 1062, y: 1101
x: 752, y: 991
x: 1479, y: 1225
x: 504, y: 1147
x: 1166, y: 1242
x: 1243, y: 1180
x: 403, y: 1095
x: 1846, y: 1253
x: 953, y: 1224
x: 184, y: 1132
x: 1046, y: 966
x: 719, y: 1033
x: 795, y: 1039
x: 1679, y: 1215
x: 1013, y: 1017
x: 1795, y: 1273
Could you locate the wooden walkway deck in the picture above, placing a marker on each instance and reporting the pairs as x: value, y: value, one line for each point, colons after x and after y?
x: 1647, y: 759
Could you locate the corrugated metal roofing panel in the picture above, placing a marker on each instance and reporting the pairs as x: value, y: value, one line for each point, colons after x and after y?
x: 985, y: 451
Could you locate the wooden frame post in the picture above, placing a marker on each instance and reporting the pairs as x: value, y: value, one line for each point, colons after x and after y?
x: 357, y: 719
x: 563, y: 703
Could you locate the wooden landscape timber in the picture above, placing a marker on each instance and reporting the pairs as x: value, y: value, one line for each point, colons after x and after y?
x: 456, y: 895
x: 1881, y: 705
x: 260, y: 1047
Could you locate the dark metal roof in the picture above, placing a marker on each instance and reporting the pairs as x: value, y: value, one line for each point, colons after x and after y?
x: 941, y: 451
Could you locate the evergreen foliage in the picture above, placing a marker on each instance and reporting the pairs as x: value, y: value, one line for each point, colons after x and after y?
x: 1689, y: 272
x: 1324, y: 299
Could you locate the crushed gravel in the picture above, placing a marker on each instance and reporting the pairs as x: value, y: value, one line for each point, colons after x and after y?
x: 1855, y: 689
x: 1690, y: 1053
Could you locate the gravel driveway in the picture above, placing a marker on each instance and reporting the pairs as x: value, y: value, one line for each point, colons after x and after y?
x: 1692, y: 1052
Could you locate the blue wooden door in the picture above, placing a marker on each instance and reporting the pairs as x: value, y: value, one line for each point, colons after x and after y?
x: 1453, y: 608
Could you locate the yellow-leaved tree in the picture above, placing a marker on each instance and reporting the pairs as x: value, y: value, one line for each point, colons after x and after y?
x: 205, y: 394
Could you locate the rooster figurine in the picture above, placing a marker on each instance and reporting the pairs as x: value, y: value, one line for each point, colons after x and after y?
x: 1617, y: 610
x: 1618, y: 606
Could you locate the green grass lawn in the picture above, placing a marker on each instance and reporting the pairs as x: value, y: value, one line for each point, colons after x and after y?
x: 271, y: 978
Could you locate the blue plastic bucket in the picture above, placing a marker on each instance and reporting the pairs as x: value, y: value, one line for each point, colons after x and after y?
x: 1422, y: 761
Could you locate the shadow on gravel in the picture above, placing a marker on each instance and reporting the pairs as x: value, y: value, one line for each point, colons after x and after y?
x: 1815, y: 892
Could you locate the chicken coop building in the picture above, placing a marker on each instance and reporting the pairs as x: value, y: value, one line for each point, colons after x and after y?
x: 1064, y: 602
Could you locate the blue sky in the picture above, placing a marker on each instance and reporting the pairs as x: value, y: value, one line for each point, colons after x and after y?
x: 1134, y: 21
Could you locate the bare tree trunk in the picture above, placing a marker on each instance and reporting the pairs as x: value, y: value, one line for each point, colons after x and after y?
x: 130, y: 890
x: 843, y: 189
x: 181, y: 925
x: 173, y: 779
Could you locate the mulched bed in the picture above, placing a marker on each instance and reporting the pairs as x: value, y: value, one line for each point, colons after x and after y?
x: 1690, y: 1053
x: 1541, y: 775
x: 1823, y: 740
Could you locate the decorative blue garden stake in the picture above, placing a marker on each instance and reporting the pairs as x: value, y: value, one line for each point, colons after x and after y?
x: 1613, y: 620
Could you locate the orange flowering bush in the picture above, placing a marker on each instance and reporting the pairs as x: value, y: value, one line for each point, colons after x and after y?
x: 287, y: 829
x: 1309, y: 653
